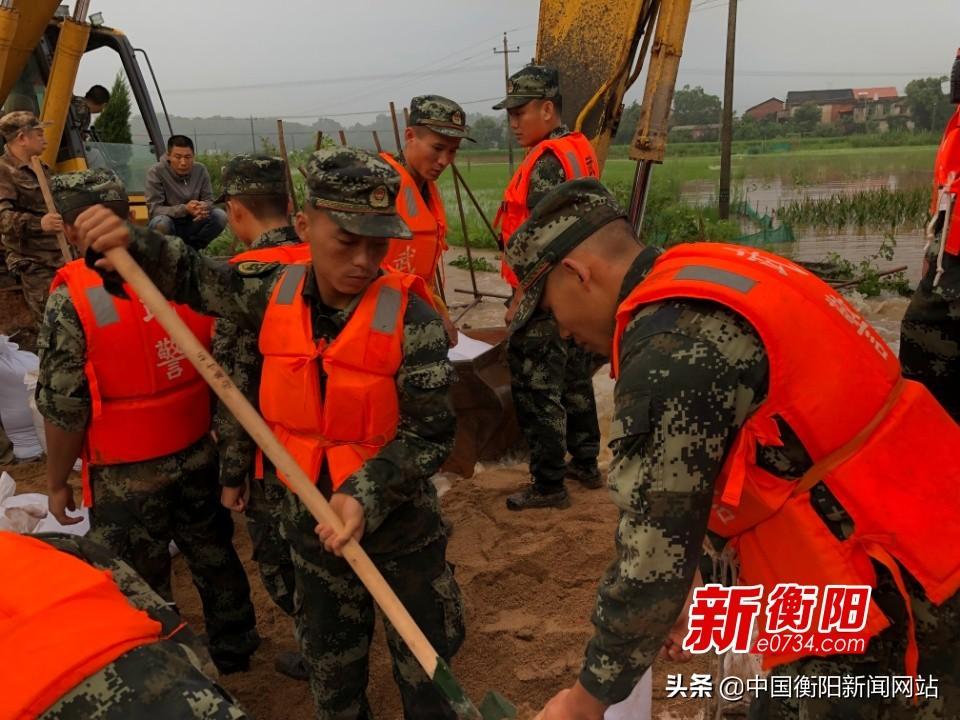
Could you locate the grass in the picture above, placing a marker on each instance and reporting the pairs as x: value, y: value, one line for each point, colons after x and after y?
x: 881, y: 208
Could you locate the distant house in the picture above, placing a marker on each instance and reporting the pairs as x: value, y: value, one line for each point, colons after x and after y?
x: 835, y: 105
x: 886, y: 113
x: 766, y: 109
x: 874, y: 94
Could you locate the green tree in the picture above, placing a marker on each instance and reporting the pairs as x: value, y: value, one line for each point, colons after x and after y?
x: 807, y: 117
x: 929, y: 105
x: 694, y: 106
x: 628, y: 124
x: 113, y: 125
x: 487, y: 131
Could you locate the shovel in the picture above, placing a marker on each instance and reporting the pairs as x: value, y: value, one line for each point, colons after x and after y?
x: 494, y: 706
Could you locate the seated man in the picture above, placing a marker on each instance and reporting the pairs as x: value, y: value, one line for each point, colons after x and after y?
x: 90, y: 104
x: 180, y: 197
x: 95, y: 641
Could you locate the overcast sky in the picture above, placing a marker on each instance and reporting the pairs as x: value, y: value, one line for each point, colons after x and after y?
x: 301, y: 59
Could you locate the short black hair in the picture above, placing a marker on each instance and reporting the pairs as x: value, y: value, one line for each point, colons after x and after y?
x: 98, y: 94
x: 263, y: 207
x: 179, y: 141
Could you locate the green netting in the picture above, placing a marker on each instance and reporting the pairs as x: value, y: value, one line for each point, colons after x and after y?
x: 767, y: 233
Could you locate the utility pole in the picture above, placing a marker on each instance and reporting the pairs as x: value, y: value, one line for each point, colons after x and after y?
x: 726, y: 131
x: 506, y: 83
x: 253, y: 141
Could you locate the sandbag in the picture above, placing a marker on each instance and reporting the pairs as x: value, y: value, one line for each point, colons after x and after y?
x: 15, y: 413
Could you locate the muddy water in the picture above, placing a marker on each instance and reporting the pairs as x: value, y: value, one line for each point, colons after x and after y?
x: 768, y: 194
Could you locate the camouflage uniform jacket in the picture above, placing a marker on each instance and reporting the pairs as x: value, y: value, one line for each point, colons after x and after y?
x: 21, y: 207
x: 691, y: 373
x: 547, y: 172
x: 237, y: 353
x: 63, y: 395
x: 400, y: 503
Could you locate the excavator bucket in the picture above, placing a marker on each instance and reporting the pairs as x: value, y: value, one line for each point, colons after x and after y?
x: 487, y: 428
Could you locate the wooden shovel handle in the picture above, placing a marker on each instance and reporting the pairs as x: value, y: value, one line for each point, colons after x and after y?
x: 51, y: 207
x: 256, y: 427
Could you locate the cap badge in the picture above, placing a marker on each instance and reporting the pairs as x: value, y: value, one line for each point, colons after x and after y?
x: 510, y: 87
x: 379, y: 198
x: 457, y: 117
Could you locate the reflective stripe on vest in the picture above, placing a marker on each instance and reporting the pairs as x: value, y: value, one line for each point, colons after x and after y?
x: 355, y: 413
x: 289, y: 283
x: 578, y: 159
x: 101, y: 302
x: 411, y: 201
x: 838, y: 388
x: 61, y: 621
x: 137, y: 376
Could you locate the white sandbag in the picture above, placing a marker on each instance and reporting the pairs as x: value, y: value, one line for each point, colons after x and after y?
x: 30, y: 382
x: 15, y: 413
x: 638, y: 705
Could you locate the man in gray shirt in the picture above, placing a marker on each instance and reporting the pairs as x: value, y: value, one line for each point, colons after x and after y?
x: 180, y: 197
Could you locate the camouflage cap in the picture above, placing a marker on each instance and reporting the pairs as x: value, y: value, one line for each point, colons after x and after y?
x: 253, y: 175
x: 564, y: 218
x: 534, y: 82
x: 358, y: 190
x: 441, y: 115
x: 17, y: 121
x: 79, y: 190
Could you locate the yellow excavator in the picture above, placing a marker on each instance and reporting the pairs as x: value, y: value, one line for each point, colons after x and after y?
x: 41, y: 46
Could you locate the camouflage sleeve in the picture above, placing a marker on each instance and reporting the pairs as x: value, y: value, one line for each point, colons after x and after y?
x: 62, y: 394
x: 691, y: 373
x: 547, y: 173
x: 427, y: 423
x: 236, y: 352
x: 237, y: 292
x: 15, y: 223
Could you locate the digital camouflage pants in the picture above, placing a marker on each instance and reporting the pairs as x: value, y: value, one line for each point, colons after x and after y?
x: 552, y: 385
x: 270, y: 550
x: 334, y: 621
x: 138, y: 508
x: 930, y: 336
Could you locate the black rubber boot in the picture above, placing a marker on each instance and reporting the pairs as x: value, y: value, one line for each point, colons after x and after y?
x: 535, y: 497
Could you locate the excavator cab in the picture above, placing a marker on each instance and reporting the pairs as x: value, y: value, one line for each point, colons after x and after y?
x: 39, y: 71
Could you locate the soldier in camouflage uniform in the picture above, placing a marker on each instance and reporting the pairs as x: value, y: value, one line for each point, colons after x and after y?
x: 551, y: 378
x: 141, y: 506
x: 389, y: 503
x: 165, y: 679
x: 27, y: 230
x: 691, y: 373
x: 257, y: 206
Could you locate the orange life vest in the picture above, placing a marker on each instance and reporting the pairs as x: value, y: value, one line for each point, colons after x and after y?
x: 147, y: 400
x: 946, y: 184
x: 285, y: 254
x: 428, y: 223
x: 356, y: 412
x: 578, y: 159
x: 61, y: 621
x: 882, y: 445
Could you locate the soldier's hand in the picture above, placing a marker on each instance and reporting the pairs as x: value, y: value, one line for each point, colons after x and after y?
x: 573, y: 704
x: 453, y: 334
x: 51, y: 222
x: 232, y: 498
x: 101, y: 230
x: 60, y: 501
x: 351, y: 513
